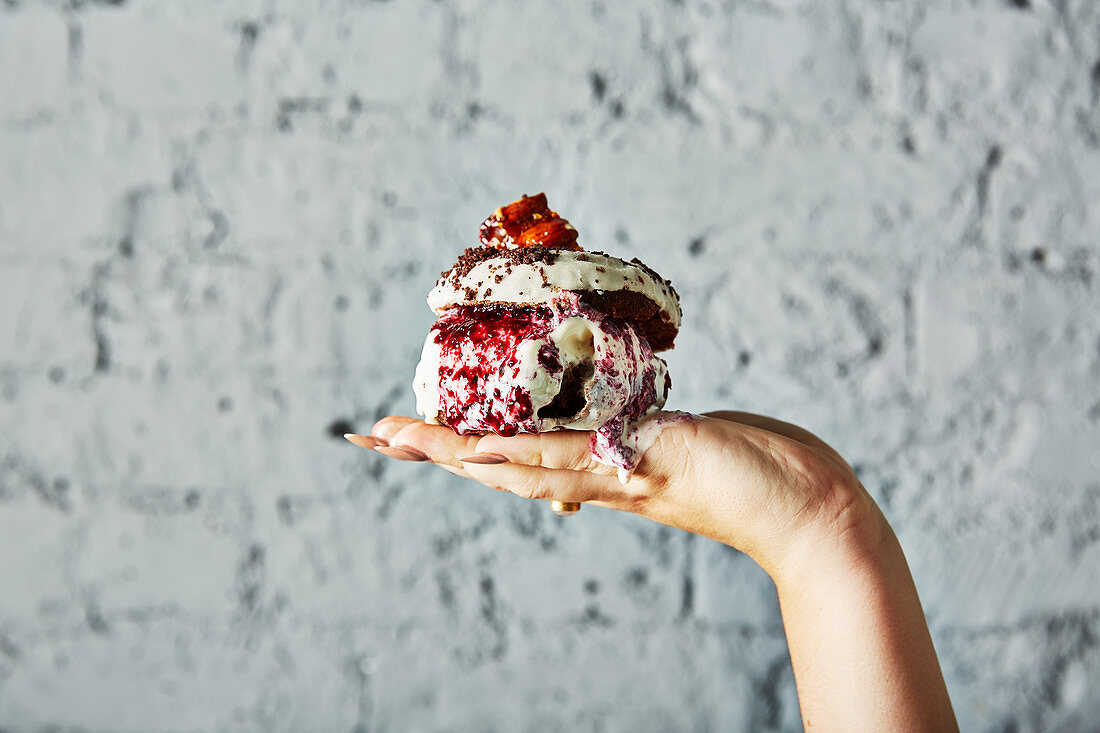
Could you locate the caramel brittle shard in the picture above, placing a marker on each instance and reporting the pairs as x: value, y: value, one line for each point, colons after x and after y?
x: 528, y: 222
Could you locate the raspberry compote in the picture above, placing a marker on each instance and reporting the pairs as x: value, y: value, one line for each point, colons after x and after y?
x: 489, y: 357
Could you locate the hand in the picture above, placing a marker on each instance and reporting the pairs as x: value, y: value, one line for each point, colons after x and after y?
x: 862, y: 655
x: 766, y: 487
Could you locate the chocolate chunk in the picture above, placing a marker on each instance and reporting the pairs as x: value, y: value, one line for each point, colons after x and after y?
x: 571, y: 399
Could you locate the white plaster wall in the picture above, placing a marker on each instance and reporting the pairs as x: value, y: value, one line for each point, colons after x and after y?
x: 217, y: 225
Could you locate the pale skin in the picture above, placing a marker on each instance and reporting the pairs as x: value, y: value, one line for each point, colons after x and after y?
x: 862, y: 655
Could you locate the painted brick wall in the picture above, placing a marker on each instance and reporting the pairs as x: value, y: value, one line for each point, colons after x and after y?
x: 217, y: 225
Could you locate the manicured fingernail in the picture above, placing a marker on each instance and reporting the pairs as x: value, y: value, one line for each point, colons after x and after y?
x: 364, y: 441
x: 485, y: 459
x: 402, y: 453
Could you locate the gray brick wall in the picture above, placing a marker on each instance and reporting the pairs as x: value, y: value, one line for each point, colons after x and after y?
x: 218, y: 222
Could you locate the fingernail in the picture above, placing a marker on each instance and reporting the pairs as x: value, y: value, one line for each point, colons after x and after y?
x: 363, y: 441
x: 402, y: 453
x: 485, y: 459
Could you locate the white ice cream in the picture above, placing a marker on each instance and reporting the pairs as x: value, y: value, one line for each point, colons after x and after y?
x: 637, y: 438
x: 620, y: 367
x: 571, y: 271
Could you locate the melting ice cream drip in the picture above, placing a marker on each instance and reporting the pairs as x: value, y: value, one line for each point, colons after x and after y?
x: 626, y: 442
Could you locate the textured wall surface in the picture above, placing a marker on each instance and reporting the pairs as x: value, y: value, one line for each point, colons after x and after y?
x: 218, y: 222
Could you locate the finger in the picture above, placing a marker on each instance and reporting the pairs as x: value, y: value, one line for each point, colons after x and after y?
x: 409, y: 439
x: 363, y: 441
x: 536, y: 482
x: 438, y: 442
x: 408, y: 434
x: 401, y: 452
x: 387, y: 427
x: 562, y: 449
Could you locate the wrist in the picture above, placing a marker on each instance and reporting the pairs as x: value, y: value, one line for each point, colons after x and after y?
x: 859, y: 642
x: 848, y: 534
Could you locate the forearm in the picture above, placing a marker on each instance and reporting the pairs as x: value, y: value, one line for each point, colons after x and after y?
x: 862, y: 655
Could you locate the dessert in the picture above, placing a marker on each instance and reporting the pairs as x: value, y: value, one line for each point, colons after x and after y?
x: 535, y: 334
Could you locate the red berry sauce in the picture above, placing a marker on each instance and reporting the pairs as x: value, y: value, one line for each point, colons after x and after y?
x: 479, y: 380
x: 481, y: 389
